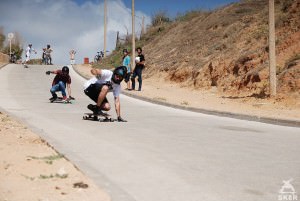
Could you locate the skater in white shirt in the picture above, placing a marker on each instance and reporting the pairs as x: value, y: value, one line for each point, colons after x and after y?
x: 27, y: 54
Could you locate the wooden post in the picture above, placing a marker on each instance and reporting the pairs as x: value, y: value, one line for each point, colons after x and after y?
x: 133, y: 36
x: 105, y: 15
x: 143, y: 26
x: 272, y: 54
x: 117, y: 41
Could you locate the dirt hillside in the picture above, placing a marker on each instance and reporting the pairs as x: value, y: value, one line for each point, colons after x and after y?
x: 228, y: 49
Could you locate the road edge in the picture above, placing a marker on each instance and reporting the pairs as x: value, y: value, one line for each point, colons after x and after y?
x: 261, y: 119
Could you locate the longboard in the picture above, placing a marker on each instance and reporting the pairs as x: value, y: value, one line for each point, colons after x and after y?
x: 60, y: 100
x: 97, y: 117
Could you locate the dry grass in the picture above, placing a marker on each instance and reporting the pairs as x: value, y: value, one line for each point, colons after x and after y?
x: 201, y: 49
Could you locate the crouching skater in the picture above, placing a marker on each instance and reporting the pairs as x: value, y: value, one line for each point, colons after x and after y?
x: 105, y: 81
x: 61, y: 81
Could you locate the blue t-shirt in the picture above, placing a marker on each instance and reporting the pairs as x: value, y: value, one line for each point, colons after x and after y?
x: 126, y: 62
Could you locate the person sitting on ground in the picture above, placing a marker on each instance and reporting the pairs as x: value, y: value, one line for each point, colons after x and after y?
x: 97, y: 88
x: 61, y: 81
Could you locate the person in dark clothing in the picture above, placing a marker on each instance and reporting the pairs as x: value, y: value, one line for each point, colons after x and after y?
x: 139, y: 66
x: 61, y: 81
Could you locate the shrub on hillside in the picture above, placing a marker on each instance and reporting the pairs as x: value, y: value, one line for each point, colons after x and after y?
x: 160, y: 18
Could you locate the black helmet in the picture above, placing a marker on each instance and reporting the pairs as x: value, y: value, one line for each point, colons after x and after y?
x: 65, y: 69
x: 121, y: 72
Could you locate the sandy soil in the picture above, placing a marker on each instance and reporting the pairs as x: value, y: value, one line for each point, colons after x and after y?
x: 31, y: 170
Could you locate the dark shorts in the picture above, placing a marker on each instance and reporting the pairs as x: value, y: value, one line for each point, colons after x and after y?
x: 93, y: 92
x: 127, y: 78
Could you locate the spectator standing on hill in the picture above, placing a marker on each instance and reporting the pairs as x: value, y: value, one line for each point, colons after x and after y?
x: 28, y: 54
x: 44, y: 61
x: 72, y: 56
x: 126, y: 62
x: 139, y: 66
x: 48, y: 55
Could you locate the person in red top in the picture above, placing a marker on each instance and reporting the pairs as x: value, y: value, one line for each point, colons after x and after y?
x: 61, y: 81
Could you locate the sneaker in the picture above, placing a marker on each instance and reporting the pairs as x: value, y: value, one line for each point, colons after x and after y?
x: 92, y: 107
x: 53, y: 98
x: 98, y: 111
x: 64, y: 99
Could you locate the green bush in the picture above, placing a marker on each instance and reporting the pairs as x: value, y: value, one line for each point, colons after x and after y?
x: 14, y: 48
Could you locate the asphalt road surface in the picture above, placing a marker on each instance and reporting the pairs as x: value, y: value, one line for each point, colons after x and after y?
x: 160, y: 154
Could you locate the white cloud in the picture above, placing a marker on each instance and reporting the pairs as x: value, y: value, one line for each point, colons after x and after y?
x: 65, y: 25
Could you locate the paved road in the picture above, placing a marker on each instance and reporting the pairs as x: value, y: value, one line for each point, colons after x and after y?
x: 161, y: 154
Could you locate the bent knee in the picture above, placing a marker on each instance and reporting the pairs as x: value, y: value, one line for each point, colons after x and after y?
x: 105, y: 88
x: 106, y: 107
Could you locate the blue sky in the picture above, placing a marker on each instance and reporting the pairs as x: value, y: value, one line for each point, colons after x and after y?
x: 78, y: 24
x: 171, y: 7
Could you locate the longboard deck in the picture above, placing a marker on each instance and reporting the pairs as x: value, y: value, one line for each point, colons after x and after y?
x: 60, y: 100
x: 97, y: 117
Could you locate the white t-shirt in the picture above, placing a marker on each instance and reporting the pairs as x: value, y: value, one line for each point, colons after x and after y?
x: 28, y: 51
x: 104, y: 78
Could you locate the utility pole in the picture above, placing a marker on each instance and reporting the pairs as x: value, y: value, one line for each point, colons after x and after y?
x: 143, y: 26
x: 118, y: 40
x: 105, y: 15
x: 133, y: 35
x: 272, y: 54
